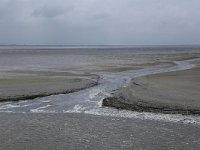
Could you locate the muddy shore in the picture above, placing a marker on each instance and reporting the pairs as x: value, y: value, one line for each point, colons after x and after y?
x: 81, y: 131
x: 172, y: 92
x: 22, y: 85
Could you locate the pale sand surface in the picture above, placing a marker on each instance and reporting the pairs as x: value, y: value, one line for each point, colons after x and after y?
x: 173, y: 92
x: 26, y: 84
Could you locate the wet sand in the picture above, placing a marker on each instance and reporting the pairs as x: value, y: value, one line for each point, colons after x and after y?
x: 26, y: 84
x: 29, y: 73
x: 51, y: 73
x: 81, y: 131
x: 173, y: 92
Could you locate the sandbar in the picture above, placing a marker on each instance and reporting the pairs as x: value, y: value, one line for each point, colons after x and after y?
x: 172, y: 92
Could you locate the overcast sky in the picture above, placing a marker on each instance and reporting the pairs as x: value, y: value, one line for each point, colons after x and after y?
x: 96, y: 22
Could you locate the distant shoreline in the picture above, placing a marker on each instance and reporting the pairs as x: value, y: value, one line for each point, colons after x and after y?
x: 101, y: 46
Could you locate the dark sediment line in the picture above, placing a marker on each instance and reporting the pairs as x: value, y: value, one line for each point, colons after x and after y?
x: 33, y: 96
x: 120, y: 103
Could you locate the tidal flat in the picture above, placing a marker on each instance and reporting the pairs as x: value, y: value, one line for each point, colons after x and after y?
x: 171, y: 92
x: 55, y: 98
x: 56, y: 131
x: 36, y: 84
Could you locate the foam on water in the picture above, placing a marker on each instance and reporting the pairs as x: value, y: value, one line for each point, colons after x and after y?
x: 76, y: 109
x: 40, y: 109
x: 8, y: 106
x: 145, y: 115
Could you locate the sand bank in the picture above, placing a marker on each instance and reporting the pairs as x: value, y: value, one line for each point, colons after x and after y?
x: 21, y: 85
x: 173, y: 92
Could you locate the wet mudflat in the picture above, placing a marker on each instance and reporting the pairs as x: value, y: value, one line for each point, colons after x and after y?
x: 77, y: 120
x: 81, y: 131
x: 171, y: 92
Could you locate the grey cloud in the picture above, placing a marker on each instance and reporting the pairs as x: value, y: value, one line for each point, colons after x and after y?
x: 49, y: 11
x: 97, y: 22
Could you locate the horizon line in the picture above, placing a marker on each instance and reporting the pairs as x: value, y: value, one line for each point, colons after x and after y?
x: 99, y: 45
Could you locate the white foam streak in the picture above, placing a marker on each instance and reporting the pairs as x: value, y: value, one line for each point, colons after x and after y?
x: 145, y: 115
x: 76, y: 109
x: 40, y: 109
